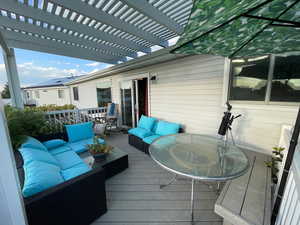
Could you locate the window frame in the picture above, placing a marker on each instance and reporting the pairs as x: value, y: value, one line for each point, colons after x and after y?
x: 76, y: 96
x: 267, y: 100
x: 61, y: 93
x: 110, y: 89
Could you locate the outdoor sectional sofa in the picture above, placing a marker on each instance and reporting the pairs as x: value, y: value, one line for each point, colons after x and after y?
x: 148, y: 130
x: 57, y: 186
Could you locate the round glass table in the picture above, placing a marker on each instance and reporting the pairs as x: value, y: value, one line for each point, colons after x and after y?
x: 199, y: 157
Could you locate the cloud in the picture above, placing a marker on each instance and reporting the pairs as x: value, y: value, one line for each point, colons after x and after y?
x: 102, y: 68
x: 32, y: 73
x: 93, y: 64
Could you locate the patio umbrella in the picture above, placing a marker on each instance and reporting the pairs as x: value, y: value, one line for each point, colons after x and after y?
x: 238, y: 28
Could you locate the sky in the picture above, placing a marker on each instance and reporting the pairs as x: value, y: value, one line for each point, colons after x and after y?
x: 35, y: 67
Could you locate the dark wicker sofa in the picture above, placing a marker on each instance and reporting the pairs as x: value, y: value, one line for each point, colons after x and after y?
x: 139, y: 144
x: 78, y: 201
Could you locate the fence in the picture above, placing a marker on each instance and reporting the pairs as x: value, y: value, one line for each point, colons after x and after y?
x: 63, y: 117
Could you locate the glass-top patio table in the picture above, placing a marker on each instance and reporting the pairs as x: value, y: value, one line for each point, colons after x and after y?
x: 199, y: 157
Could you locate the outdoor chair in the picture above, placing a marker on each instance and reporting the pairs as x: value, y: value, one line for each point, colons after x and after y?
x: 111, y: 116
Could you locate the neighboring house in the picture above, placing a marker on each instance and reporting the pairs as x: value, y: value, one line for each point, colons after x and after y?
x: 192, y: 91
x: 53, y: 91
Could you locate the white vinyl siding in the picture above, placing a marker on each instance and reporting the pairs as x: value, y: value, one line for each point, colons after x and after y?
x: 260, y: 125
x: 49, y: 95
x: 191, y: 91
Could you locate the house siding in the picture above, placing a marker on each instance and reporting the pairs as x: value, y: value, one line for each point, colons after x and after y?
x: 49, y: 96
x: 191, y: 91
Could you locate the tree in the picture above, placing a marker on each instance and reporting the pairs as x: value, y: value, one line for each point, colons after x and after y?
x: 5, y: 93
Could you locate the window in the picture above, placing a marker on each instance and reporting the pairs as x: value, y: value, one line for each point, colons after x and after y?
x: 265, y: 78
x: 61, y: 94
x: 103, y: 94
x: 75, y: 93
x: 286, y: 79
x: 37, y: 94
x: 28, y: 94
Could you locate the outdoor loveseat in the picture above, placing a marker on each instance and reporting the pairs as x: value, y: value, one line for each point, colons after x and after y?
x: 148, y: 130
x: 57, y: 186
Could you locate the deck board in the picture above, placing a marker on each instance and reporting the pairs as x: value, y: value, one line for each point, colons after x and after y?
x: 134, y: 196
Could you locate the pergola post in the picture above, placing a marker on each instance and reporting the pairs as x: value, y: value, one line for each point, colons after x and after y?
x: 13, y: 78
x: 11, y: 205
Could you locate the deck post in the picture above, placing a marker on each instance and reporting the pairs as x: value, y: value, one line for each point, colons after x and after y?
x: 13, y: 78
x: 11, y: 205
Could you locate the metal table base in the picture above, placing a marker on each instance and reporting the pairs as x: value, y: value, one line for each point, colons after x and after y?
x: 175, y: 178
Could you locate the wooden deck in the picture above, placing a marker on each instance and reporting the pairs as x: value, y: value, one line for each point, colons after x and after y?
x: 134, y: 196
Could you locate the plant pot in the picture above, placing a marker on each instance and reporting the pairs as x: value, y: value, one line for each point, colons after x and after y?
x: 99, y: 128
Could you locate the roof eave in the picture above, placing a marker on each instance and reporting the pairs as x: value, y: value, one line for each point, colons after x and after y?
x: 130, y: 65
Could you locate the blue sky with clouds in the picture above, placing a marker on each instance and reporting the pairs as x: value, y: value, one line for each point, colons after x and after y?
x: 35, y: 67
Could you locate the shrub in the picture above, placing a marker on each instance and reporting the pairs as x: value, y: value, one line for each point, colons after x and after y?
x: 52, y: 107
x: 27, y: 122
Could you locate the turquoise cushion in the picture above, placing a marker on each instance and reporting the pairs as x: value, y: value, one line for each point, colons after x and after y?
x: 78, y: 132
x: 75, y: 171
x: 33, y: 143
x: 146, y: 122
x: 140, y: 132
x: 40, y: 176
x: 60, y: 149
x: 150, y: 139
x: 79, y: 146
x: 68, y: 159
x: 112, y: 109
x: 54, y: 143
x: 31, y: 154
x: 166, y: 128
x: 154, y: 127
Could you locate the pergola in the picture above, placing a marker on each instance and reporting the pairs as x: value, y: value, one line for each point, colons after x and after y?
x: 110, y: 31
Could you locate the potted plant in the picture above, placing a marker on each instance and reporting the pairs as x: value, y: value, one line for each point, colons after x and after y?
x: 99, y: 151
x: 273, y: 163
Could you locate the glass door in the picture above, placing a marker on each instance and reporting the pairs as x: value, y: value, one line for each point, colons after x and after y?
x: 127, y: 103
x: 134, y: 101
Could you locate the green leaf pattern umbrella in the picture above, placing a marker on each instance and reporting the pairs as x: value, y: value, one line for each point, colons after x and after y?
x: 233, y: 28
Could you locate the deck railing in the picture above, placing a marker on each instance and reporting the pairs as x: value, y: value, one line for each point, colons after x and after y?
x: 289, y: 212
x: 63, y: 117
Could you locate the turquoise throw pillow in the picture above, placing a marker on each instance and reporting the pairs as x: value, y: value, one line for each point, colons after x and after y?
x: 31, y: 154
x: 166, y: 128
x: 140, y: 132
x: 146, y: 122
x: 55, y: 143
x: 78, y: 132
x: 40, y: 176
x: 33, y: 143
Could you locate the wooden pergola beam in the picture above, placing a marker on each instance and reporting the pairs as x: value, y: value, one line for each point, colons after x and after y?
x: 44, y: 16
x: 24, y: 41
x: 14, y: 24
x: 152, y: 12
x: 101, y: 16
